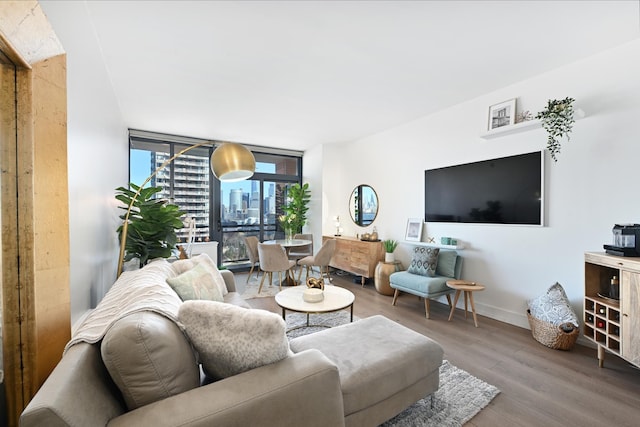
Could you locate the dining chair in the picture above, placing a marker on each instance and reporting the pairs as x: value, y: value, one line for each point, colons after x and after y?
x: 298, y: 252
x: 251, y: 242
x: 273, y: 258
x: 321, y: 260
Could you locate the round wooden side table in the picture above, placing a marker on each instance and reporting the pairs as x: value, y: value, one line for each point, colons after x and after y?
x: 468, y: 288
x: 382, y: 273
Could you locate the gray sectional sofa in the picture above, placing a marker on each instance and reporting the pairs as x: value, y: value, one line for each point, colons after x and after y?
x: 359, y: 374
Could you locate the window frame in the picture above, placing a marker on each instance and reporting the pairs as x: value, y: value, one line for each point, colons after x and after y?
x: 145, y: 140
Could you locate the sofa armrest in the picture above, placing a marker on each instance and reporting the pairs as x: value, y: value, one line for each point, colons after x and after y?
x: 79, y: 392
x: 303, y: 389
x: 229, y: 280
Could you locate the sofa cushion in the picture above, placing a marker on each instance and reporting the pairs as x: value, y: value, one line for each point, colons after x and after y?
x: 446, y: 263
x: 184, y: 265
x: 197, y: 283
x: 554, y: 307
x: 149, y: 358
x: 424, y: 261
x: 230, y: 339
x: 376, y: 357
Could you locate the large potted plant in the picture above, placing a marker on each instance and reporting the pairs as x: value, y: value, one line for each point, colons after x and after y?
x: 151, y: 232
x: 557, y: 119
x: 295, y: 210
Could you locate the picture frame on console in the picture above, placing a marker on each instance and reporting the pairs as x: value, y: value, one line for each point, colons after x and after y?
x: 414, y: 230
x: 502, y: 114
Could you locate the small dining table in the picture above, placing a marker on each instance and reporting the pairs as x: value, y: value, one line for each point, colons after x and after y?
x: 287, y: 244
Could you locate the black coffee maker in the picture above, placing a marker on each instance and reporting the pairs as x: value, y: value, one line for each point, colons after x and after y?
x: 626, y: 240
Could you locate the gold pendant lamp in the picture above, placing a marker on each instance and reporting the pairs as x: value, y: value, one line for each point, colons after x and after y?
x: 232, y: 162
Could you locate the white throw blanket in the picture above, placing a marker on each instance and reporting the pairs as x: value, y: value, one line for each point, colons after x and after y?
x: 140, y: 290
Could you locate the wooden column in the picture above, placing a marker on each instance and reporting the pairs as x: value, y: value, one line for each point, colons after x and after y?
x: 43, y: 219
x: 36, y: 300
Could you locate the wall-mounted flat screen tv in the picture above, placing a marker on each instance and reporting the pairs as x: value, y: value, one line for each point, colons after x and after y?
x: 508, y: 190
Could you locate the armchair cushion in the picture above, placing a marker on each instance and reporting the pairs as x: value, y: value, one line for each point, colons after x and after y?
x: 446, y: 263
x: 420, y: 285
x: 424, y: 261
x: 230, y: 340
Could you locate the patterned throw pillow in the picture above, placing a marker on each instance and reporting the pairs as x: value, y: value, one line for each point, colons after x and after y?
x: 553, y: 307
x: 197, y: 283
x: 424, y: 261
x: 230, y: 339
x: 182, y: 265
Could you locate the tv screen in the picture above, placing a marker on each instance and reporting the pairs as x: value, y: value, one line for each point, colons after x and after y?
x: 508, y: 190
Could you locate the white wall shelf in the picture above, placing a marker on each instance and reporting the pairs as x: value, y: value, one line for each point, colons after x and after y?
x: 459, y: 246
x: 522, y: 127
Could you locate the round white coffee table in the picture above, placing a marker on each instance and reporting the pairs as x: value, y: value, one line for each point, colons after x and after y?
x: 335, y: 299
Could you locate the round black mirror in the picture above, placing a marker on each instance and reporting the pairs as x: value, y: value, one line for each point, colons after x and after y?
x: 363, y: 205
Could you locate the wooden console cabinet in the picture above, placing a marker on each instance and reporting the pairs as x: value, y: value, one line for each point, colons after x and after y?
x: 356, y: 256
x: 613, y: 325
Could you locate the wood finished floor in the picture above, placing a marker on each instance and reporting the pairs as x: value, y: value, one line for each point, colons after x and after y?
x: 539, y: 386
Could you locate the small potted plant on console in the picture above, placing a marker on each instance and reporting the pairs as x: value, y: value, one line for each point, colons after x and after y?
x: 389, y: 247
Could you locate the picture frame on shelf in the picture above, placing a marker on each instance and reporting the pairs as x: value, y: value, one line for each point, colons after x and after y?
x: 502, y: 114
x: 414, y: 230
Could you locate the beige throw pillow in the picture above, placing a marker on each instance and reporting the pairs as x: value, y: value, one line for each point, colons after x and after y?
x: 197, y: 283
x: 230, y: 339
x: 183, y: 265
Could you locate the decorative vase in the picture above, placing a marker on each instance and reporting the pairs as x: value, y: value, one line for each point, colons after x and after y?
x: 374, y: 235
x: 389, y: 257
x: 288, y: 234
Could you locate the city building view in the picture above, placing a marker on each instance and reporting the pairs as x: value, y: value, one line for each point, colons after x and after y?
x: 190, y: 189
x: 246, y: 208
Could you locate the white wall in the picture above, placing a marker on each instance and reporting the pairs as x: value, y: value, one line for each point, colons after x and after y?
x: 591, y: 187
x: 97, y: 159
x: 312, y: 174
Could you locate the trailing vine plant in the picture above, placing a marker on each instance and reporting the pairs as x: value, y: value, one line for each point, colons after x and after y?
x: 557, y: 119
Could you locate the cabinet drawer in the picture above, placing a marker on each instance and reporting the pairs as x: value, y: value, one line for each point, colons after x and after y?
x: 629, y: 263
x: 356, y: 256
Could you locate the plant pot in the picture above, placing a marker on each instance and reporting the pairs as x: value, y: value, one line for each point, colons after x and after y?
x: 389, y: 257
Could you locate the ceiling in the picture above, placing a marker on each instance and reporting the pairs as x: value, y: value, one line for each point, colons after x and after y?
x: 293, y: 74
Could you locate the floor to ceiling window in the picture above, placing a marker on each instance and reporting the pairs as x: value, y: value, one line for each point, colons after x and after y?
x: 225, y: 212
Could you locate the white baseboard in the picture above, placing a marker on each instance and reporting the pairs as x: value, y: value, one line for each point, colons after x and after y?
x: 507, y: 316
x: 510, y: 317
x: 517, y: 319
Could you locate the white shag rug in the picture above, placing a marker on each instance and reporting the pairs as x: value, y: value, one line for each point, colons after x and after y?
x: 458, y: 399
x: 296, y: 322
x: 268, y: 289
